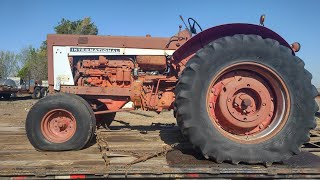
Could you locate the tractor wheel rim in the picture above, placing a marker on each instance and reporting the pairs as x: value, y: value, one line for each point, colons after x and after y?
x: 58, y: 125
x: 248, y: 102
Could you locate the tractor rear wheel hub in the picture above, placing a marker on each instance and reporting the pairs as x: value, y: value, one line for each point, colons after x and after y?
x: 242, y: 102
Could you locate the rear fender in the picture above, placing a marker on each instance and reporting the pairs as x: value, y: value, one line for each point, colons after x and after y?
x: 185, y: 52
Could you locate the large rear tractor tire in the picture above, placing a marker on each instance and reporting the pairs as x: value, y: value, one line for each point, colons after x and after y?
x: 246, y: 99
x: 60, y: 122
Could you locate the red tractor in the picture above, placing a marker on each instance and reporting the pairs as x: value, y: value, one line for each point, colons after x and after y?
x: 238, y: 91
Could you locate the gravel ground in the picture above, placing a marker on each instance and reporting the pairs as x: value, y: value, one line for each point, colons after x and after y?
x: 14, y: 113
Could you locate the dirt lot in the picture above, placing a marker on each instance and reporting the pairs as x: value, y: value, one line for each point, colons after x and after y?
x: 13, y: 114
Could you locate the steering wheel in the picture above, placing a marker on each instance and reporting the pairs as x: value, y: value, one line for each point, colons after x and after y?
x: 192, y: 27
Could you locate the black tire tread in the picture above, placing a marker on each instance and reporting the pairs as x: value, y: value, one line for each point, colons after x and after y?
x: 43, y: 145
x: 189, y: 124
x: 89, y: 108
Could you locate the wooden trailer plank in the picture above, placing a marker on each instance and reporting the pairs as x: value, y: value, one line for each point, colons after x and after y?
x: 130, y: 147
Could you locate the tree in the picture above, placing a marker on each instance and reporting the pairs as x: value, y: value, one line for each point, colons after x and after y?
x: 35, y: 60
x: 65, y: 26
x: 35, y: 64
x: 9, y: 65
x: 84, y: 27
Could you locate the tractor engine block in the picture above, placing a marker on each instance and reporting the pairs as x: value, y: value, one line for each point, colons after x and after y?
x: 103, y: 72
x: 144, y: 76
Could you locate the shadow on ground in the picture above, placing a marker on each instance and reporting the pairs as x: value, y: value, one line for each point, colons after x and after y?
x: 19, y: 98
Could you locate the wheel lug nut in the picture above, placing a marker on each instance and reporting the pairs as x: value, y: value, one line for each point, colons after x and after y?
x: 229, y: 100
x: 260, y: 126
x: 263, y: 104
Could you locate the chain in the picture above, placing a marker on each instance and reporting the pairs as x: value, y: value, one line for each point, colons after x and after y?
x: 141, y: 157
x: 103, y: 147
x: 163, y: 152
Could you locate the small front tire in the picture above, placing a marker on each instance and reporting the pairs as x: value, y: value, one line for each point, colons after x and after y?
x: 60, y: 122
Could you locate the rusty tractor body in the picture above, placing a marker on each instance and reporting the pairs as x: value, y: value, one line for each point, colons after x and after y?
x: 232, y: 89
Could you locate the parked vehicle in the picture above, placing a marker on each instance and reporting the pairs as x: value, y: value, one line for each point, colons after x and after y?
x: 36, y: 88
x: 7, y: 88
x: 238, y: 91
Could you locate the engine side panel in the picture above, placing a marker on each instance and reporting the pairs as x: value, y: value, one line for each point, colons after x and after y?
x: 62, y: 73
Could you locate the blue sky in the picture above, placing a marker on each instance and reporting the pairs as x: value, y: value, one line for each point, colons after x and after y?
x: 27, y: 22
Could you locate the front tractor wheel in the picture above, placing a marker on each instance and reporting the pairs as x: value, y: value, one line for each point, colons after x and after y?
x: 246, y: 99
x: 60, y: 122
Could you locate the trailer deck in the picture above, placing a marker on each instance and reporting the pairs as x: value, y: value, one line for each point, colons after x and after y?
x: 163, y: 152
x: 128, y: 150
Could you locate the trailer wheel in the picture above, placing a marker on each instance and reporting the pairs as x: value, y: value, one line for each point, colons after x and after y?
x: 246, y: 99
x: 36, y: 93
x: 105, y: 120
x: 60, y: 122
x: 44, y: 92
x: 6, y: 96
